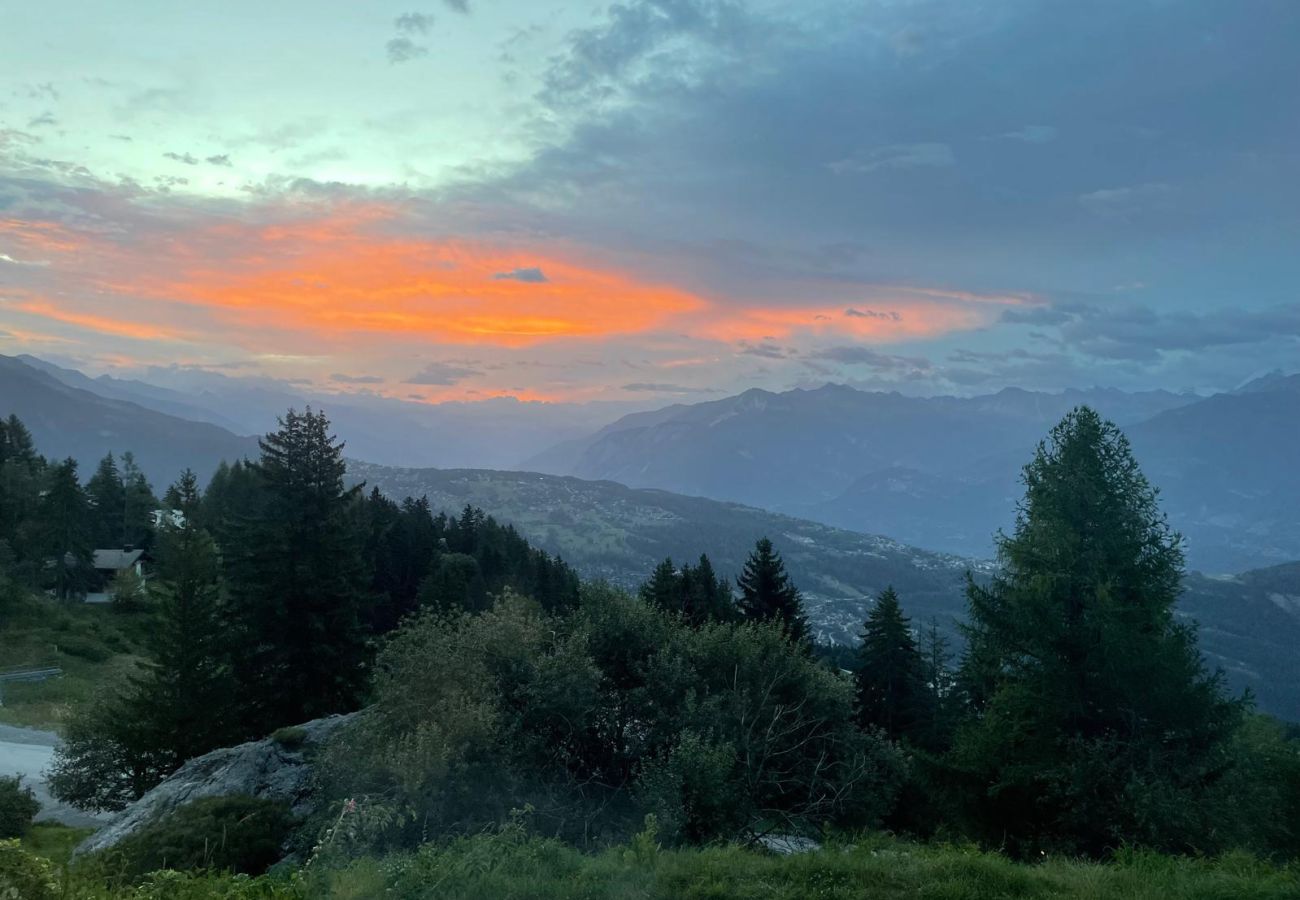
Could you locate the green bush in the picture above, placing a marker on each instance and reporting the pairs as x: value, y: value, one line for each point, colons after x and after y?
x: 225, y: 834
x: 18, y: 806
x: 291, y: 737
x: 24, y: 876
x: 599, y: 718
x: 89, y: 649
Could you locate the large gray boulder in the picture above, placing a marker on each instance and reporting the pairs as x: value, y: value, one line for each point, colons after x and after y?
x: 275, y: 768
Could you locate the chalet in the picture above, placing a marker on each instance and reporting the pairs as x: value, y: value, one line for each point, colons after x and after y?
x: 108, y: 564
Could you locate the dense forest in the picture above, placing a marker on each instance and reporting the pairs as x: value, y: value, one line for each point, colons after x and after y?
x: 494, y: 692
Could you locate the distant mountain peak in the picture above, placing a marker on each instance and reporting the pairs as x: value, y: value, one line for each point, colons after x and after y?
x: 1277, y: 380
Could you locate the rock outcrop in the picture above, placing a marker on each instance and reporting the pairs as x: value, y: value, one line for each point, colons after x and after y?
x: 275, y: 768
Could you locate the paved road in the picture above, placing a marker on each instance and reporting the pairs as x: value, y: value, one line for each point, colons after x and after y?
x: 28, y: 752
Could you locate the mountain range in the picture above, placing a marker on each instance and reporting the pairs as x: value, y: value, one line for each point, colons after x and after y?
x: 943, y: 472
x: 497, y: 432
x: 72, y: 421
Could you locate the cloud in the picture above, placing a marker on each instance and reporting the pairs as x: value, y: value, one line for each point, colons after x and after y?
x: 602, y: 62
x: 895, y: 156
x: 1122, y: 202
x: 187, y: 159
x: 654, y: 388
x: 1135, y: 332
x: 438, y: 373
x: 1032, y: 134
x: 889, y: 315
x: 856, y: 355
x: 413, y: 23
x: 1035, y: 315
x: 357, y: 379
x: 460, y: 6
x: 765, y: 350
x: 403, y: 49
x: 220, y: 159
x: 529, y: 275
x: 45, y: 119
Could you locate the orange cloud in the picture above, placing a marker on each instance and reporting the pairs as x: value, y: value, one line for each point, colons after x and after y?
x: 341, y: 277
x: 354, y: 276
x: 889, y: 314
x: 101, y: 324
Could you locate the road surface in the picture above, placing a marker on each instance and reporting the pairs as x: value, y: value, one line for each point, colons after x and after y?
x: 28, y: 752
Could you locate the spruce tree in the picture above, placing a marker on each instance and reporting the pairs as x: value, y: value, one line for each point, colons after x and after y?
x: 890, y: 687
x: 182, y: 704
x: 709, y: 595
x: 1097, y: 725
x: 22, y: 479
x: 296, y: 580
x: 664, y: 588
x: 768, y: 595
x: 188, y: 691
x: 108, y: 499
x: 64, y: 533
x: 139, y: 504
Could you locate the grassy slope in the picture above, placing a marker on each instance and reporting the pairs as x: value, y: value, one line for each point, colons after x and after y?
x: 497, y: 867
x: 92, y: 644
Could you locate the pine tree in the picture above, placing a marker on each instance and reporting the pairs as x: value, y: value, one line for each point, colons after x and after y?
x: 1098, y: 725
x: 182, y: 704
x: 108, y: 499
x: 64, y: 529
x: 296, y: 580
x: 664, y: 588
x: 768, y: 595
x: 188, y: 690
x: 890, y: 684
x: 138, y: 505
x: 709, y: 595
x: 22, y: 477
x: 942, y: 709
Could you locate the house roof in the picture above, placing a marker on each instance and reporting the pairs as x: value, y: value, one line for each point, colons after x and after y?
x: 116, y: 560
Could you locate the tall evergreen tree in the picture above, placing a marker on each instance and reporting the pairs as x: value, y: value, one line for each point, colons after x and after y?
x: 695, y: 593
x: 22, y: 478
x: 709, y: 596
x: 187, y: 692
x: 64, y: 528
x: 108, y: 499
x: 768, y: 595
x: 942, y: 709
x: 1097, y: 725
x: 296, y: 580
x: 138, y: 505
x: 663, y: 588
x: 182, y: 704
x: 891, y: 692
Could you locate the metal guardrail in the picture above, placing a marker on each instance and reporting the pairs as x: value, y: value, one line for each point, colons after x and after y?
x: 26, y: 675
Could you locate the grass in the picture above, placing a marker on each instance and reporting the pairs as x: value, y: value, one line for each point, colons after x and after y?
x: 54, y: 842
x: 91, y: 643
x: 514, y: 867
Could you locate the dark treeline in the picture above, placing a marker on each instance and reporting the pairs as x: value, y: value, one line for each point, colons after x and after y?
x: 1078, y: 717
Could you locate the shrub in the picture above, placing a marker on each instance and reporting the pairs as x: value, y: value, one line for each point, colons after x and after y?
x: 23, y: 876
x: 18, y: 806
x: 228, y: 834
x: 291, y: 737
x: 89, y: 649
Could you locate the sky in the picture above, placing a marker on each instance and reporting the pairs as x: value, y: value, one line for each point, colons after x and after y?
x: 654, y: 200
